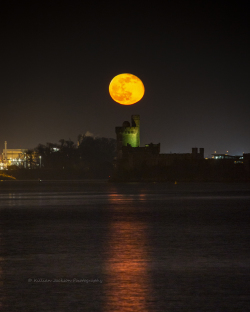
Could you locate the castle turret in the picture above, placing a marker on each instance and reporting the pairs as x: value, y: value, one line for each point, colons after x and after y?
x: 129, y: 134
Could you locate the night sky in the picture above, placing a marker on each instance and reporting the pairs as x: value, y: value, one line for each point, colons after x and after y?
x: 57, y: 62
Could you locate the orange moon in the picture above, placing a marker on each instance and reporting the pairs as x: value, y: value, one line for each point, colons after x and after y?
x: 126, y: 89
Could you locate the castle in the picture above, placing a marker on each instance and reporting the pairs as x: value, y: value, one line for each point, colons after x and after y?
x: 136, y: 163
x: 128, y: 147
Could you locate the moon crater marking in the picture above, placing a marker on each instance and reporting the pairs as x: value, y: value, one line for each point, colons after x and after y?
x: 126, y: 89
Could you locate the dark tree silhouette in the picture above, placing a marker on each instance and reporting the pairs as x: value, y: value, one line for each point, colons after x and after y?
x: 93, y: 157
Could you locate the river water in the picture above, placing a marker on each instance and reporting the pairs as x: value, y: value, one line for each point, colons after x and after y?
x: 98, y: 246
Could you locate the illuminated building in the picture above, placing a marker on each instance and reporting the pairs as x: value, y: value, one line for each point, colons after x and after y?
x: 12, y: 157
x: 235, y: 158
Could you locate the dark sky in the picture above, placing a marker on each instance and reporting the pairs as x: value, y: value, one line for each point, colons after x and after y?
x: 57, y: 62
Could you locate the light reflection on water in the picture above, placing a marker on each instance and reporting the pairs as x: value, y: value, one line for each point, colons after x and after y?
x: 55, y: 198
x: 126, y: 264
x: 1, y: 279
x: 127, y: 286
x: 155, y: 247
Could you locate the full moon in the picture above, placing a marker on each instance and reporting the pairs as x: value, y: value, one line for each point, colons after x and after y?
x: 126, y: 89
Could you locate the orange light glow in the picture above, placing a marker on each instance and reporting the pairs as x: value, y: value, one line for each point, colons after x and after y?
x: 127, y: 261
x: 126, y: 89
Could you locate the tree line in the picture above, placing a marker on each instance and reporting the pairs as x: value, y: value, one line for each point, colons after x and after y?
x: 90, y: 155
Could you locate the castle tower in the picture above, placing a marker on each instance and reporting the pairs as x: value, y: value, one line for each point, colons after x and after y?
x: 129, y: 134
